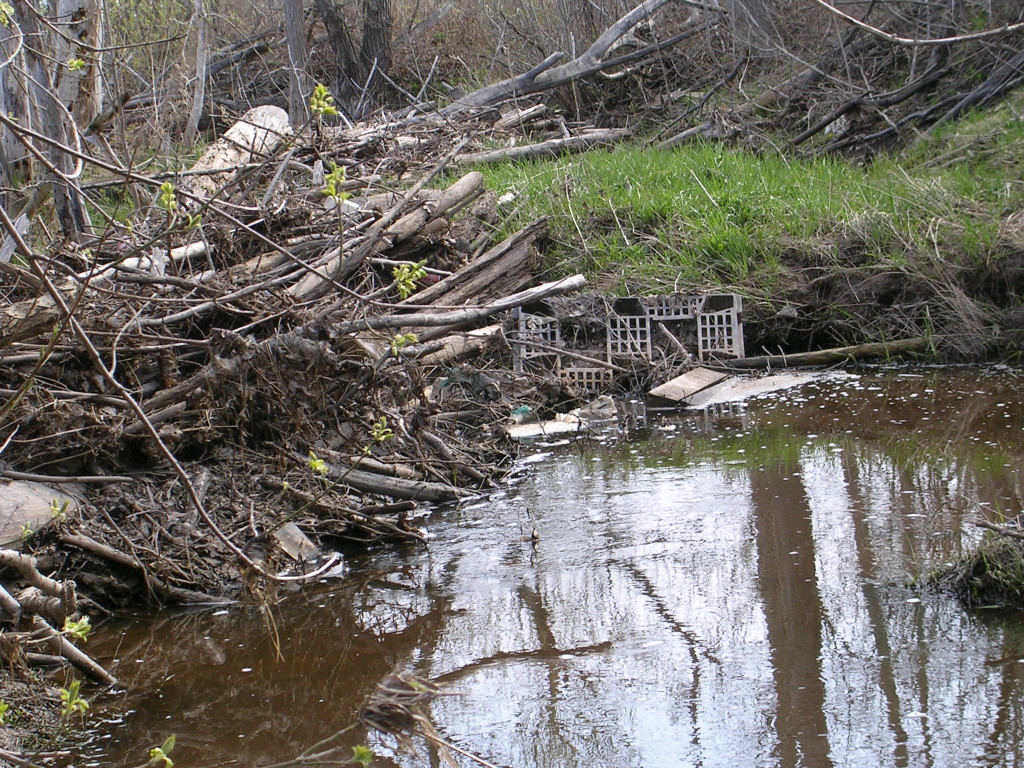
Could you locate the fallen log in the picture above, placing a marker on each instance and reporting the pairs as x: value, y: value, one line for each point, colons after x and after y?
x: 548, y: 74
x: 386, y: 485
x: 604, y: 137
x: 455, y: 347
x: 257, y: 134
x: 835, y: 355
x: 475, y: 282
x: 63, y: 647
x: 445, y: 322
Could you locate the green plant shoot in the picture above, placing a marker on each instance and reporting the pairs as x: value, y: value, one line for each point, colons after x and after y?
x: 401, y: 340
x: 362, y: 755
x: 380, y: 431
x: 316, y: 464
x: 59, y: 510
x: 72, y: 702
x: 78, y: 629
x: 161, y: 754
x: 4, y: 709
x: 26, y: 532
x: 6, y: 14
x: 167, y: 199
x: 332, y: 183
x: 406, y: 276
x: 76, y: 65
x: 321, y: 103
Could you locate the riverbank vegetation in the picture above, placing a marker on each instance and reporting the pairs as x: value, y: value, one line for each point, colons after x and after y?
x: 938, y: 225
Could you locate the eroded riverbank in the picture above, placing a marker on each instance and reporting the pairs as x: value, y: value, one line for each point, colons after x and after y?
x: 721, y: 588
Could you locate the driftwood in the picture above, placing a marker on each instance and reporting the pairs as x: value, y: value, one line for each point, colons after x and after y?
x: 835, y: 355
x: 61, y: 646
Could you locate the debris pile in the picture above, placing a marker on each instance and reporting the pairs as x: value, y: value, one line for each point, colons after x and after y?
x: 221, y: 393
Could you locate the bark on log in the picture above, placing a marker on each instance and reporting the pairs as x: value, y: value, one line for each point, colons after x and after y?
x: 63, y: 647
x: 395, y: 487
x: 472, y: 281
x: 460, y: 346
x: 27, y: 320
x: 260, y: 131
x: 456, y: 197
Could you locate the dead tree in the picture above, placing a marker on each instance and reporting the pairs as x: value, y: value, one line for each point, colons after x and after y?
x: 375, y: 51
x: 358, y: 72
x: 550, y: 74
x: 298, y: 91
x: 202, y: 68
x: 51, y: 82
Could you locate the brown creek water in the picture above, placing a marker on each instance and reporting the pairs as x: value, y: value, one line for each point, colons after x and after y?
x: 718, y: 588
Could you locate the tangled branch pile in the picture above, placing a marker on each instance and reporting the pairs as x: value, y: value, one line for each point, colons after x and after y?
x: 286, y: 355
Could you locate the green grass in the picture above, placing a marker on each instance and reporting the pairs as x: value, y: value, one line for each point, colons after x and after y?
x: 707, y: 214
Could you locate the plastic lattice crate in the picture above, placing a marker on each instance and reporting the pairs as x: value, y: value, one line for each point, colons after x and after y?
x: 629, y: 335
x: 720, y: 334
x: 590, y: 380
x: 535, y: 328
x: 673, y: 306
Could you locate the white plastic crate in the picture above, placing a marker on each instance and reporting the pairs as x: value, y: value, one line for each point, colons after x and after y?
x: 629, y: 336
x: 719, y: 330
x: 673, y: 306
x: 536, y: 328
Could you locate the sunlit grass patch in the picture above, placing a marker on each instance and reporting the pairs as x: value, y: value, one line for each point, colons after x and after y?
x: 709, y: 214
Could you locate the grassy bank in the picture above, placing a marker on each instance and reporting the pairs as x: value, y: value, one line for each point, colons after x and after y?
x: 709, y: 213
x: 929, y: 242
x: 947, y: 212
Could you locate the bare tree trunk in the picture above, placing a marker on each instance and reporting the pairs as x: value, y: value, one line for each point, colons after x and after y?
x: 202, y: 58
x: 79, y: 87
x: 347, y: 84
x: 376, y: 47
x: 13, y: 102
x: 54, y: 122
x: 298, y: 89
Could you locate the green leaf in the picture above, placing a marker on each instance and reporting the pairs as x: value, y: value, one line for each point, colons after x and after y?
x: 160, y: 754
x: 321, y: 102
x: 4, y: 708
x: 79, y: 629
x: 406, y: 276
x: 362, y: 755
x: 380, y: 431
x: 167, y: 199
x: 316, y: 464
x: 72, y: 702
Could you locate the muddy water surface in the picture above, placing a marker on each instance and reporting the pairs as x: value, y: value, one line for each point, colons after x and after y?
x: 723, y: 588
